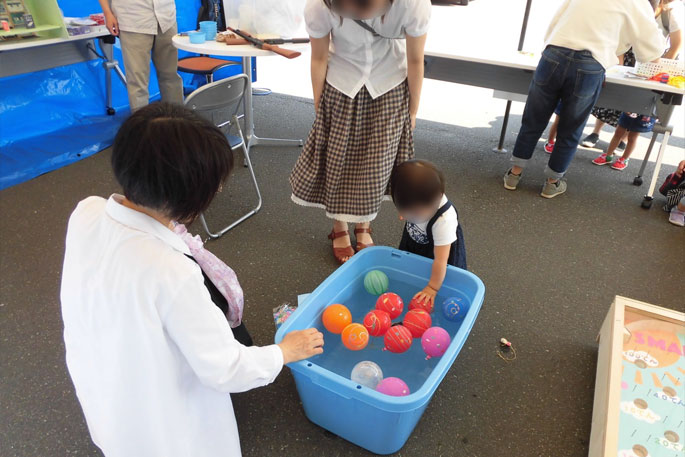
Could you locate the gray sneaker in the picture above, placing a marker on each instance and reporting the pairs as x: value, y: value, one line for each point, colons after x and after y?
x: 511, y: 180
x: 552, y: 189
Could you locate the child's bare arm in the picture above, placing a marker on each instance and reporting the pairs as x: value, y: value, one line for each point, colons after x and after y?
x: 441, y: 254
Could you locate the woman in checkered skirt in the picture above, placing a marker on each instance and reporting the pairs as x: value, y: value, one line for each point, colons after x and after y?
x: 367, y: 70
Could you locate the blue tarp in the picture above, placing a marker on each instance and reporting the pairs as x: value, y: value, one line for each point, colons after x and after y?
x: 54, y: 117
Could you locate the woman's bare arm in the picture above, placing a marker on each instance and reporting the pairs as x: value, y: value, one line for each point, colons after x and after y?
x: 319, y: 66
x: 415, y: 49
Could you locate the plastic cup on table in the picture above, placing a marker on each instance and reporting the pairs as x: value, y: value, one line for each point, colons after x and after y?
x: 197, y: 37
x: 209, y: 28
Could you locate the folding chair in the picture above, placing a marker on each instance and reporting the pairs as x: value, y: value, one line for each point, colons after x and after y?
x: 219, y: 101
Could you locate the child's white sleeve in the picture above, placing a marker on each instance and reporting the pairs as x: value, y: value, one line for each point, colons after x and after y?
x: 445, y: 229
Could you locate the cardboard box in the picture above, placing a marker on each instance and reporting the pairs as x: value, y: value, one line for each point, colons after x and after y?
x: 639, y: 406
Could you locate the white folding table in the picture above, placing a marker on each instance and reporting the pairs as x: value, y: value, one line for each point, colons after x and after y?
x: 29, y: 55
x: 511, y: 73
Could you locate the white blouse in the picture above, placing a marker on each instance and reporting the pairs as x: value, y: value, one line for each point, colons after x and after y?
x: 152, y: 358
x: 356, y: 57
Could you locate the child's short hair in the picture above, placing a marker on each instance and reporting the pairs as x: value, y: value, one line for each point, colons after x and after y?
x: 416, y: 183
x: 168, y: 158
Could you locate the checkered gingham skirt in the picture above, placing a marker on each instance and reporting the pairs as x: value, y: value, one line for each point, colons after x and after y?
x: 348, y: 157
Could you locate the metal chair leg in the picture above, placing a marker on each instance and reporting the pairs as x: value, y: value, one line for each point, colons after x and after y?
x: 638, y: 179
x: 250, y: 213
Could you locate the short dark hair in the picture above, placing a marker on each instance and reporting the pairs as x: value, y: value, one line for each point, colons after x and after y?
x: 168, y: 158
x: 416, y: 183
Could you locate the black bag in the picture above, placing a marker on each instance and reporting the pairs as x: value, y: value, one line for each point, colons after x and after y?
x: 212, y: 10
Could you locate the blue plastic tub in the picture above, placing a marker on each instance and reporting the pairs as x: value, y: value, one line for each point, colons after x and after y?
x: 374, y: 421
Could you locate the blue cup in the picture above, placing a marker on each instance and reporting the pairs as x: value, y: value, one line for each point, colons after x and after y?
x: 197, y: 37
x: 209, y: 28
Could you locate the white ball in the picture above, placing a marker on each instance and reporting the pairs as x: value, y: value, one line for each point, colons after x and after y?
x: 367, y: 373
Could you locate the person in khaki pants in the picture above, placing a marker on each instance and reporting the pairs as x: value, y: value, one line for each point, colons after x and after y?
x: 145, y: 28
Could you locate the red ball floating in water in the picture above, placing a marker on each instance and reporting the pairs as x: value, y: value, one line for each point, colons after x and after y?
x: 398, y: 339
x: 426, y: 305
x: 417, y: 321
x: 391, y: 304
x: 377, y: 322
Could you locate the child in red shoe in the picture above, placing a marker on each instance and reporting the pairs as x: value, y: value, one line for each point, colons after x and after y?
x: 634, y: 124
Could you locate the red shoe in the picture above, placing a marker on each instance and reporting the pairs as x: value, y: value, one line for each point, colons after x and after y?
x: 603, y: 159
x: 549, y: 147
x: 620, y: 164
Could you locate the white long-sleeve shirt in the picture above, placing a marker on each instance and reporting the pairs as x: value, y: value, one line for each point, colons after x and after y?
x: 607, y: 28
x: 152, y: 358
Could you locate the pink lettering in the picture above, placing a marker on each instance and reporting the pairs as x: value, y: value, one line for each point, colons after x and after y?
x: 661, y: 344
x: 675, y: 349
x: 639, y: 338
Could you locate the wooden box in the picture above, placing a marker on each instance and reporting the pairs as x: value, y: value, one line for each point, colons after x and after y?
x: 639, y: 406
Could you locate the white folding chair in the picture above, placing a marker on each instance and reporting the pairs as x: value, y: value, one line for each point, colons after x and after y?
x: 218, y: 101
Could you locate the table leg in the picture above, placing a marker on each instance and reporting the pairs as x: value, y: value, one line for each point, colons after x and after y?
x: 110, y: 64
x: 665, y: 106
x: 505, y: 122
x: 252, y: 138
x: 647, y: 201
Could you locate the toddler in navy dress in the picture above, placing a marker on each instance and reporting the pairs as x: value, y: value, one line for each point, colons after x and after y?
x: 432, y: 226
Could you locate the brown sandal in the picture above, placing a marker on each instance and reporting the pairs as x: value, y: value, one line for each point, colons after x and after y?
x: 361, y: 246
x: 341, y: 253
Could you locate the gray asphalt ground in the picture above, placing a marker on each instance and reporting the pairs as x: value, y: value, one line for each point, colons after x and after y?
x: 551, y: 269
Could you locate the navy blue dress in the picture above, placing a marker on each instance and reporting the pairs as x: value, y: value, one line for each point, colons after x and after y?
x: 457, y: 255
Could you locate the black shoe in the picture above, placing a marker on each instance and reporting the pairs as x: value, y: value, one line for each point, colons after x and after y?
x: 590, y: 141
x: 621, y: 146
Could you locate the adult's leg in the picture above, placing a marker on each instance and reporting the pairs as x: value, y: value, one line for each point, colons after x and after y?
x: 543, y: 97
x: 580, y: 92
x: 136, y: 48
x: 361, y: 235
x: 165, y: 58
x: 343, y: 241
x: 598, y: 127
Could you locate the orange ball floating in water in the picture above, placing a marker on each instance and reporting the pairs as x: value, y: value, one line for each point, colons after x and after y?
x: 355, y: 337
x: 391, y: 304
x: 336, y: 317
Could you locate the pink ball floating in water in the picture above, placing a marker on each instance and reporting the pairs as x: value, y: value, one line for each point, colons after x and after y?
x: 393, y: 386
x: 435, y: 342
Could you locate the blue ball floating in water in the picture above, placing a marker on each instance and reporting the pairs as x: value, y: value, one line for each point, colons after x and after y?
x: 453, y: 308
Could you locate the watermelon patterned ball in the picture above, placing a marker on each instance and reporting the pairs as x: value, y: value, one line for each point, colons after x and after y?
x: 391, y: 304
x: 376, y: 282
x: 453, y: 308
x: 398, y: 339
x: 393, y: 386
x: 426, y: 305
x: 417, y: 321
x: 435, y: 342
x: 377, y: 322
